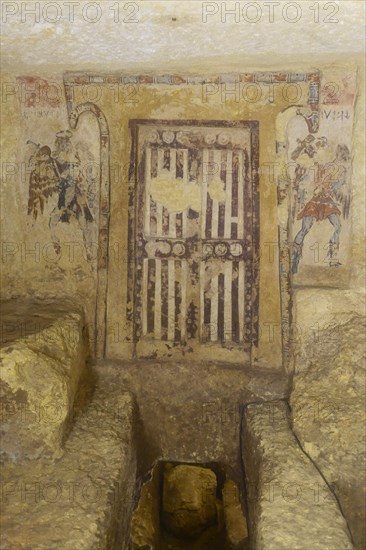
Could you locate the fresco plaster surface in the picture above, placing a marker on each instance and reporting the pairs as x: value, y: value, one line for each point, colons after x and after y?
x: 172, y: 38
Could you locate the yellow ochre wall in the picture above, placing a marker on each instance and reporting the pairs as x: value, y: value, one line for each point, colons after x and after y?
x: 34, y: 275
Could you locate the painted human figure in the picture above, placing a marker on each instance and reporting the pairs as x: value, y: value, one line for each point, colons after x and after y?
x: 72, y: 201
x: 324, y: 205
x: 61, y: 172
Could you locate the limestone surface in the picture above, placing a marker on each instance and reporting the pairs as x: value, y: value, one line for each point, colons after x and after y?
x: 235, y: 522
x: 189, y: 422
x: 84, y: 500
x: 163, y: 34
x: 145, y: 525
x: 328, y: 408
x: 291, y: 507
x: 42, y: 362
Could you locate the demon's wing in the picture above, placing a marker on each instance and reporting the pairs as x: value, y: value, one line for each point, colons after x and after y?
x: 343, y: 197
x: 43, y: 182
x: 341, y: 189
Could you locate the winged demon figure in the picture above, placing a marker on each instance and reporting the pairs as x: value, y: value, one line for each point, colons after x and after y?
x: 60, y: 172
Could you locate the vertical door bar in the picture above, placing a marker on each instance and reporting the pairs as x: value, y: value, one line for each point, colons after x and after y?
x: 205, y: 171
x: 228, y: 301
x: 214, y: 308
x: 147, y: 190
x: 215, y: 202
x: 173, y: 217
x: 159, y: 207
x: 228, y: 194
x: 241, y: 300
x: 184, y: 299
x: 157, y: 311
x: 171, y: 300
x: 202, y: 283
x: 240, y: 196
x: 145, y: 268
x: 185, y: 180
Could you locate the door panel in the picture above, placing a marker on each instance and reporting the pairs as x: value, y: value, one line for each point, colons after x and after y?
x: 194, y: 244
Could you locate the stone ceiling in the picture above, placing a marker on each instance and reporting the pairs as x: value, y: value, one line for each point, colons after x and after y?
x: 149, y: 35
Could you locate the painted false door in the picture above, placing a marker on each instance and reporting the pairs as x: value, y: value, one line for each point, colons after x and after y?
x: 194, y: 211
